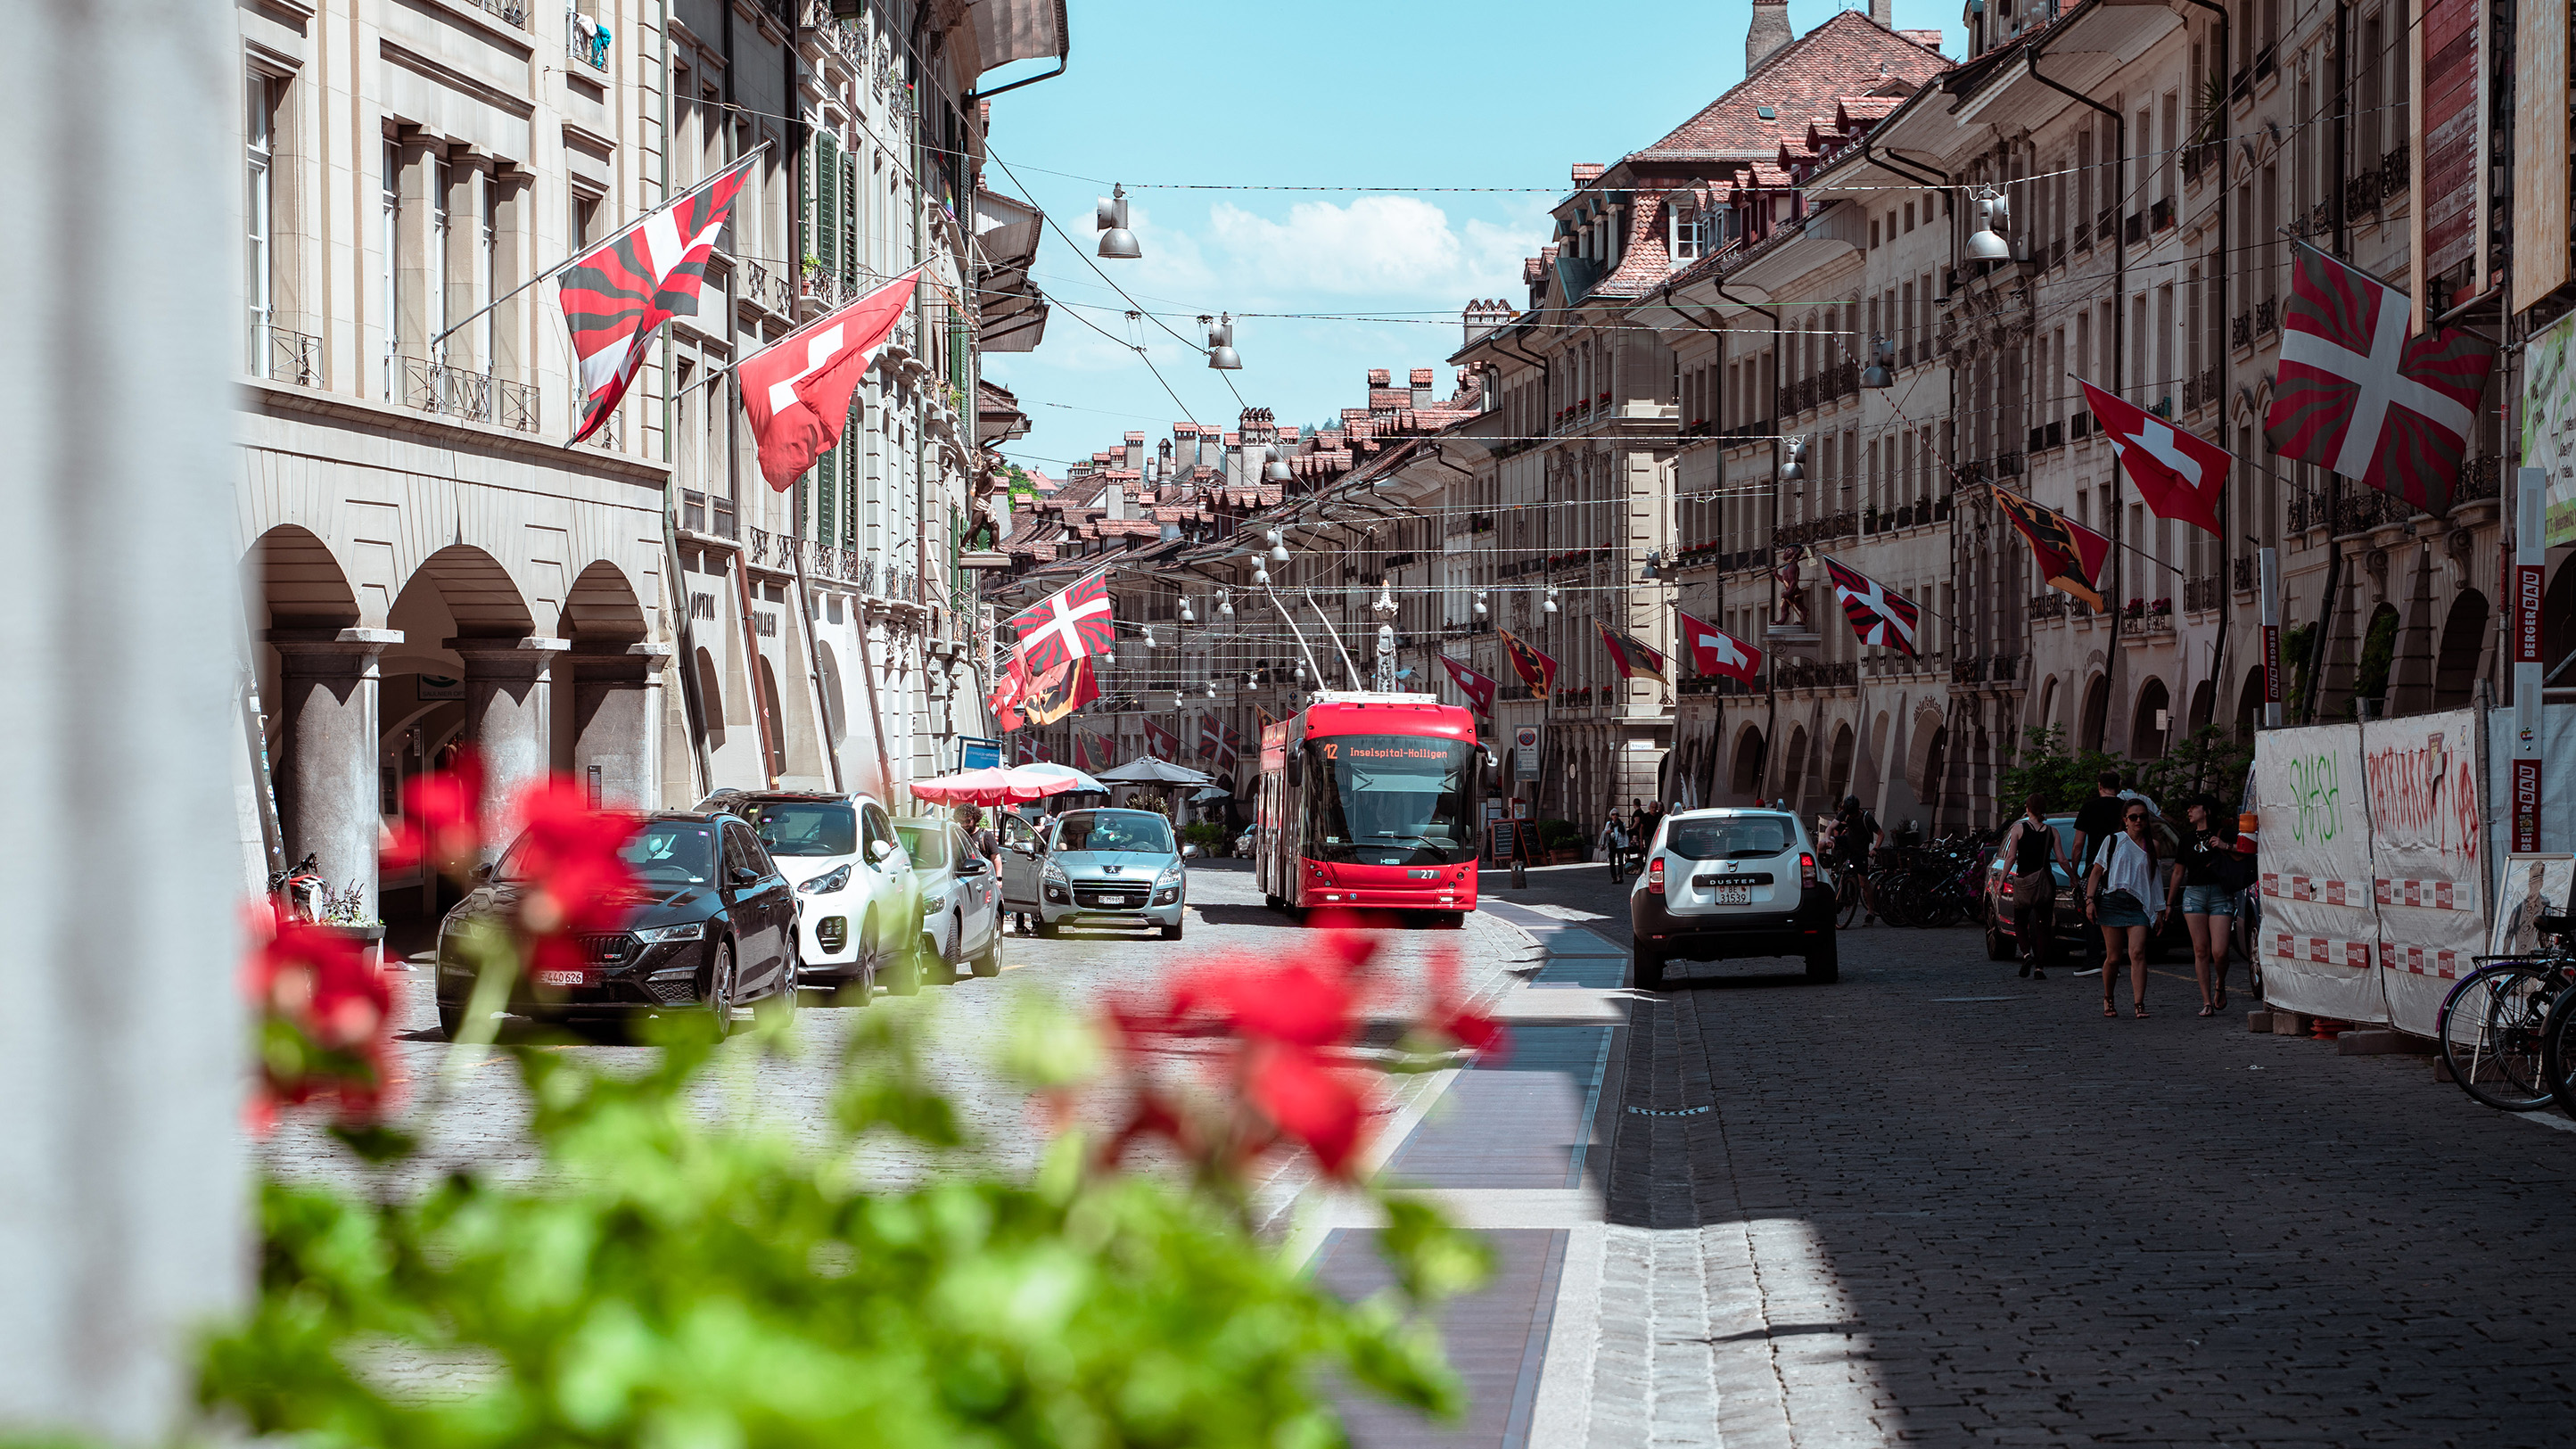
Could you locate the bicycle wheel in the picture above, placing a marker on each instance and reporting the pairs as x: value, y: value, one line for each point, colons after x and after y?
x: 2558, y: 1046
x: 2491, y: 1030
x: 1847, y: 894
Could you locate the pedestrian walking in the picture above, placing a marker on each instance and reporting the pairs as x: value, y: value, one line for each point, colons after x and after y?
x: 1856, y: 834
x: 2205, y: 887
x: 2030, y: 848
x: 1614, y: 843
x: 2117, y: 891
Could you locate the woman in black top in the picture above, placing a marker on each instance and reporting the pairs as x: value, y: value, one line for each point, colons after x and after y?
x: 2204, y: 890
x: 2030, y: 847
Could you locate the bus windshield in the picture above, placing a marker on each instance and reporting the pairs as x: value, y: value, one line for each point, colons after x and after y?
x: 1391, y: 800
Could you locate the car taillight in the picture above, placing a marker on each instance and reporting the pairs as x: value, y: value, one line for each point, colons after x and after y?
x: 1655, y: 877
x: 1806, y: 869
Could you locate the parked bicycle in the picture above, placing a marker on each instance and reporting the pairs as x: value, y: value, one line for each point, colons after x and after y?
x: 2507, y: 1030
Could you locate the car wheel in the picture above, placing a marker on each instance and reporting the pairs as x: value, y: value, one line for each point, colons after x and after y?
x: 790, y: 991
x: 988, y: 962
x: 451, y: 1018
x: 934, y: 967
x: 1046, y: 929
x: 1997, y: 947
x: 900, y: 969
x: 1172, y: 932
x: 1823, y: 964
x: 720, y: 993
x: 1650, y: 969
x: 957, y: 937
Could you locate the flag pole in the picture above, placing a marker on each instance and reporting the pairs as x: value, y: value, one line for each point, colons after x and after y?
x: 612, y: 239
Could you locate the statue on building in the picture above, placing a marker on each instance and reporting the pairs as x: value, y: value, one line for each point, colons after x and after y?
x: 1793, y: 591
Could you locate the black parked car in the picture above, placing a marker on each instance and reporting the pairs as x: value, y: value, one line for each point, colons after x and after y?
x: 713, y: 926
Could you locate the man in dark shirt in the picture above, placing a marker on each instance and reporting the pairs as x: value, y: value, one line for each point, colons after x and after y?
x: 2099, y: 819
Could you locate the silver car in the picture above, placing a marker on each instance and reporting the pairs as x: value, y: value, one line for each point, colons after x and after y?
x: 1096, y: 868
x: 961, y: 900
x: 1723, y: 884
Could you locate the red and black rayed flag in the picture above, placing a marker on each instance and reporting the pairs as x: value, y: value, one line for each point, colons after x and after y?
x: 617, y: 297
x: 1207, y: 737
x: 1060, y: 691
x: 1535, y: 669
x: 2070, y: 555
x: 1714, y: 651
x: 1229, y: 750
x: 1633, y: 657
x: 2360, y: 396
x: 1069, y: 624
x: 1878, y: 614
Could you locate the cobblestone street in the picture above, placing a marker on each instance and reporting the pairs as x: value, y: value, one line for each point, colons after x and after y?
x: 1933, y: 1203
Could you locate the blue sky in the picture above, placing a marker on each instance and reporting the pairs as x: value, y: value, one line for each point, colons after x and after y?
x: 1506, y: 95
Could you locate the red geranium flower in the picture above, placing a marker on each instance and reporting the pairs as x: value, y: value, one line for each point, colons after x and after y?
x: 326, y: 1014
x: 442, y: 820
x: 578, y: 879
x: 1458, y: 1019
x: 1310, y: 1101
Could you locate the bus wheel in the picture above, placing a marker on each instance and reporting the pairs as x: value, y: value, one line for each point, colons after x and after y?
x: 1274, y: 902
x: 1450, y: 921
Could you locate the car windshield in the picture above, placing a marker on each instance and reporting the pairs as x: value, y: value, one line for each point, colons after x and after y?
x: 1130, y: 830
x: 1729, y: 837
x: 926, y: 843
x: 805, y: 827
x: 662, y: 853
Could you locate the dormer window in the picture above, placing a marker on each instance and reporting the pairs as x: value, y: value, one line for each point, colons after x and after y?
x: 1687, y: 243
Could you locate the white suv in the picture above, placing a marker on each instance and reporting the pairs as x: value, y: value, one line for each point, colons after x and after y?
x: 858, y: 910
x: 1726, y: 883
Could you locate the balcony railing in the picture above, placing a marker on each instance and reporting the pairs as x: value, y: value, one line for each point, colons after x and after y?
x: 2267, y: 315
x: 2479, y: 478
x: 2201, y: 391
x: 2202, y: 592
x: 586, y: 41
x: 2396, y: 170
x: 283, y: 356
x: 2161, y: 215
x: 435, y: 387
x: 2248, y: 572
x: 2364, y: 509
x: 2050, y: 605
x: 2241, y: 332
x: 510, y: 12
x: 611, y: 437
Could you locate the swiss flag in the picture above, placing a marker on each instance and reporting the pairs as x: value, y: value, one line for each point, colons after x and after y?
x: 1161, y: 743
x: 1478, y: 688
x: 2360, y: 396
x: 2178, y: 474
x: 1714, y: 651
x: 1008, y: 695
x: 798, y: 391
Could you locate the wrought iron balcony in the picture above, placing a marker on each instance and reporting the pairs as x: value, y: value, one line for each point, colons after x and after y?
x: 2202, y: 592
x: 2248, y: 571
x: 510, y: 12
x: 2050, y: 605
x: 282, y: 356
x: 2267, y: 315
x: 2241, y: 333
x: 2396, y: 170
x: 435, y: 387
x: 2479, y: 478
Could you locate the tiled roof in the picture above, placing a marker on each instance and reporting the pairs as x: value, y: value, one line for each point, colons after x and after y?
x: 1843, y: 56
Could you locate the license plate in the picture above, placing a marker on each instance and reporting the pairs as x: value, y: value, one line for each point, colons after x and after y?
x: 1113, y: 900
x: 563, y: 978
x: 1735, y: 895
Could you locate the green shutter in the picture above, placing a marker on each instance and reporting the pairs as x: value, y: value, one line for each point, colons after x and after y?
x: 850, y: 441
x: 850, y: 249
x: 826, y: 229
x: 828, y: 468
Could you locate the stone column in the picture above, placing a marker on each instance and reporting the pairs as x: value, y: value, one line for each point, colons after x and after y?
x: 327, y: 782
x: 617, y: 710
x: 507, y: 710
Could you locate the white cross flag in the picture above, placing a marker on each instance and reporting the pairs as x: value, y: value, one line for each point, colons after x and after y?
x: 797, y: 391
x: 2360, y: 396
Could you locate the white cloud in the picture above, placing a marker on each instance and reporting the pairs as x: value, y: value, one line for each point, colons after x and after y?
x: 1375, y: 246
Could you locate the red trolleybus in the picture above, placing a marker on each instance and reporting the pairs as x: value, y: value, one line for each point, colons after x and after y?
x: 1371, y: 802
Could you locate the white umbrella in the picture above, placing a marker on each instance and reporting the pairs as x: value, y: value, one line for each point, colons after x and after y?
x: 1150, y: 771
x: 1080, y: 780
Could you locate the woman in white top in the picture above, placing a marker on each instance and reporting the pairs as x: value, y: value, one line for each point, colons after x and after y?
x: 2116, y: 896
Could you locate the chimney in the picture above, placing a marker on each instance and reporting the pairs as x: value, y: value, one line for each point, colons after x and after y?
x: 1421, y: 381
x: 1484, y: 315
x: 1880, y: 12
x: 1771, y: 31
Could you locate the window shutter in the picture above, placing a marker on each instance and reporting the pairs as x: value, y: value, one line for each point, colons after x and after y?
x: 850, y: 218
x: 827, y: 230
x: 829, y: 469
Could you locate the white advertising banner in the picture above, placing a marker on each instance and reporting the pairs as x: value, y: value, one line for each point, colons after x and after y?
x: 2320, y: 939
x: 2428, y: 851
